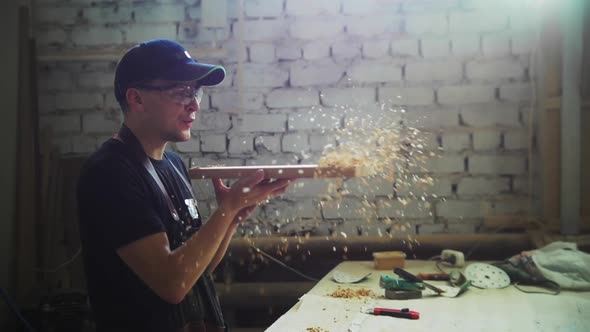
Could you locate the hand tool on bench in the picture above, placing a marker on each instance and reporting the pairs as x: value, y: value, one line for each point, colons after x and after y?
x: 410, y: 277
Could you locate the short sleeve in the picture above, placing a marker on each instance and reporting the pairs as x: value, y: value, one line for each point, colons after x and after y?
x: 115, y: 204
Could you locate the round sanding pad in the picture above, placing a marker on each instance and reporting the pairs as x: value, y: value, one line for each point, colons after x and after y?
x: 484, y: 275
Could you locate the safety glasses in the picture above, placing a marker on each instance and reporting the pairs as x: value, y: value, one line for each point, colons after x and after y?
x: 180, y: 93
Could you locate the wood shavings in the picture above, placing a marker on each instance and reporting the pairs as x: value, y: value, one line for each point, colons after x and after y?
x: 316, y: 329
x: 349, y: 293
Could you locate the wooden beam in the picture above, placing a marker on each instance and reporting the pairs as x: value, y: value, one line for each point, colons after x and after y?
x: 549, y: 115
x: 114, y: 54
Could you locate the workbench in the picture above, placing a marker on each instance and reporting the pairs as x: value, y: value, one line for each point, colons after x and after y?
x: 506, y: 309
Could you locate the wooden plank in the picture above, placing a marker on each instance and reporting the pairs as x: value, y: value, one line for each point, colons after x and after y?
x: 549, y: 115
x: 277, y: 171
x: 585, y: 177
x: 115, y: 54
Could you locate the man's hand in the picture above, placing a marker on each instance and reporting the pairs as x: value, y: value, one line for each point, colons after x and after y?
x: 247, y: 192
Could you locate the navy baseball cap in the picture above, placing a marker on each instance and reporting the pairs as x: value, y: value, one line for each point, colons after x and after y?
x: 162, y: 59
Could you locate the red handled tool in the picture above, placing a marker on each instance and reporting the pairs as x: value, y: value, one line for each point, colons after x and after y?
x: 403, y: 313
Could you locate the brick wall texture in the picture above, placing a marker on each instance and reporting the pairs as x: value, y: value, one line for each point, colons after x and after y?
x: 301, y: 70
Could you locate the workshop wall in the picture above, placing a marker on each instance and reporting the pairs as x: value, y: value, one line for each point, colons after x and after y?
x: 458, y: 70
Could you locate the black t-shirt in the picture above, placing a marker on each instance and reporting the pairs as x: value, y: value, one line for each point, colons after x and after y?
x: 119, y: 202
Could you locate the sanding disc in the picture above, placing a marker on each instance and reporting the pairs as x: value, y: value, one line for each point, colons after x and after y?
x: 484, y: 275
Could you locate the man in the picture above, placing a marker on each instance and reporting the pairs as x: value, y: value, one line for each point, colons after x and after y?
x: 147, y: 253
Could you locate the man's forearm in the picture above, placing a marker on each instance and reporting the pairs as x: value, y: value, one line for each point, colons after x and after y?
x: 223, y: 246
x: 201, y: 250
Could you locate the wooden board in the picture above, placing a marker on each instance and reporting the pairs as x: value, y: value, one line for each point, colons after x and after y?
x: 277, y: 172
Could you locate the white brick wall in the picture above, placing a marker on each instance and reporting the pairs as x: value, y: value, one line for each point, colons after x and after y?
x: 262, y: 122
x: 50, y: 37
x: 435, y: 24
x: 494, y: 69
x: 55, y: 80
x: 57, y: 14
x: 497, y: 164
x: 516, y: 140
x: 411, y: 209
x: 375, y: 48
x: 495, y: 45
x: 462, y: 209
x: 159, y: 13
x: 347, y: 208
x: 482, y: 186
x: 456, y: 141
x: 516, y: 92
x: 83, y: 144
x: 406, y: 95
x: 434, y: 71
x: 61, y: 123
x: 465, y: 44
x: 231, y: 100
x: 262, y: 52
x: 315, y: 119
x: 311, y: 188
x: 435, y: 48
x: 311, y: 7
x: 213, y: 142
x: 140, y: 32
x: 486, y: 140
x: 96, y: 80
x: 488, y: 21
x: 263, y: 8
x: 370, y: 186
x: 310, y: 29
x: 106, y: 15
x: 347, y: 96
x: 447, y: 163
x: 93, y: 36
x: 318, y: 142
x: 523, y: 43
x: 466, y: 94
x: 295, y: 143
x: 431, y: 119
x: 406, y: 186
x: 316, y: 73
x: 219, y: 122
x: 375, y: 71
x: 261, y: 30
x: 373, y: 25
x: 312, y: 66
x: 100, y: 123
x: 405, y: 47
x: 256, y: 75
x: 281, y: 98
x: 75, y: 101
x: 505, y: 115
x: 288, y: 52
x: 313, y: 50
x: 267, y: 143
x: 192, y: 145
x: 346, y: 50
x: 241, y: 144
x: 428, y: 6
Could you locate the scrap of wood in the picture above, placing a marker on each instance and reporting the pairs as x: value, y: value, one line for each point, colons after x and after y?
x: 278, y: 171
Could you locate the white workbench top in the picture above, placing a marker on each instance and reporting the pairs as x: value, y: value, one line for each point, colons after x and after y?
x: 506, y: 309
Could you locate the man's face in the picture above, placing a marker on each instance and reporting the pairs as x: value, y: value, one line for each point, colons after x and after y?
x: 170, y: 108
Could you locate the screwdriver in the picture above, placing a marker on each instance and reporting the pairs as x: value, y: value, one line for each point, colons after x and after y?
x: 410, y: 277
x: 434, y: 276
